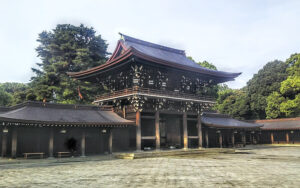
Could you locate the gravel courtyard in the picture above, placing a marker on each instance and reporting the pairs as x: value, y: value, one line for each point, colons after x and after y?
x: 258, y: 166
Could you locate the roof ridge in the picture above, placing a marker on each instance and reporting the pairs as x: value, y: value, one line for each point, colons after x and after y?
x: 150, y: 44
x: 58, y: 105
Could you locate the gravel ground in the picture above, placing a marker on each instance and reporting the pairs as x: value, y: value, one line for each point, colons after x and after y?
x: 258, y: 166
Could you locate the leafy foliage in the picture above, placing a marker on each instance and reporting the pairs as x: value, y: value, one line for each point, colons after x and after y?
x: 67, y: 48
x: 5, y: 98
x: 233, y: 103
x: 290, y: 88
x: 265, y: 82
x: 273, y: 105
x: 12, y: 92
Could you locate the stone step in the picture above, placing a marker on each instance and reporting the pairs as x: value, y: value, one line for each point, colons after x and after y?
x: 163, y: 153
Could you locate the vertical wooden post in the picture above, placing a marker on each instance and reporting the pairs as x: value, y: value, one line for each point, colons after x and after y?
x: 157, y: 132
x: 51, y: 140
x: 199, y: 126
x: 272, y: 138
x: 206, y: 138
x: 220, y: 139
x: 83, y: 143
x: 185, y: 131
x: 138, y: 130
x: 287, y: 137
x: 124, y: 111
x: 251, y: 138
x: 14, y: 143
x: 110, y: 140
x: 4, y: 144
x: 257, y: 138
x: 244, y: 138
x: 233, y: 139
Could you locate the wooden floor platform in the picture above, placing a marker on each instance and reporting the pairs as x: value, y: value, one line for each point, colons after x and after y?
x: 163, y: 153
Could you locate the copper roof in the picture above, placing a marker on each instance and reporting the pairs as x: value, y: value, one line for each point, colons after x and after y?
x: 280, y: 124
x: 155, y: 53
x: 49, y: 113
x: 225, y: 122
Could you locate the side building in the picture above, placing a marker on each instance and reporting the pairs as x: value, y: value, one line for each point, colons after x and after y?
x: 280, y: 131
x: 56, y: 129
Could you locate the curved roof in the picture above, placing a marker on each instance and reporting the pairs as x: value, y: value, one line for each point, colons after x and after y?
x: 49, y: 113
x: 280, y: 124
x: 225, y: 122
x: 129, y: 46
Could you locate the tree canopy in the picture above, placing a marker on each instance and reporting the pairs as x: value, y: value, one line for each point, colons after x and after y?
x: 285, y: 102
x: 274, y: 92
x: 266, y: 81
x: 66, y: 48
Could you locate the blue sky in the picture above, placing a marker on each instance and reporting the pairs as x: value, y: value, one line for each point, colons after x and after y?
x: 236, y: 36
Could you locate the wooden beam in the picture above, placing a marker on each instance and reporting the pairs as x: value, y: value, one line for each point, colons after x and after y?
x: 14, y: 143
x: 4, y: 144
x: 272, y: 138
x: 51, y: 141
x: 110, y: 141
x: 157, y: 131
x: 287, y: 137
x: 185, y: 131
x: 83, y: 143
x: 124, y: 111
x: 138, y: 130
x: 199, y: 127
x: 148, y: 137
x: 244, y: 138
x: 233, y: 139
x: 206, y: 138
x: 193, y: 137
x: 220, y: 139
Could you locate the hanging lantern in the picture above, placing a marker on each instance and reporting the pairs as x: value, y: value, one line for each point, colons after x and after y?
x: 5, y: 130
x: 63, y: 131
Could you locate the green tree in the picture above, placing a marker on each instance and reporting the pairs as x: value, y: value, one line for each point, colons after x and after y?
x: 16, y: 90
x: 67, y: 48
x: 5, y: 98
x: 265, y: 82
x: 273, y: 105
x: 233, y: 103
x: 290, y: 88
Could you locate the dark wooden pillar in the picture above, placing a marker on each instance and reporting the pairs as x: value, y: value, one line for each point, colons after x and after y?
x: 199, y: 126
x: 124, y: 111
x: 157, y: 132
x: 220, y: 139
x: 4, y: 144
x: 272, y: 138
x: 233, y: 139
x: 83, y: 143
x: 244, y: 138
x: 287, y: 137
x: 251, y: 138
x: 110, y: 140
x: 138, y: 130
x: 14, y: 143
x: 185, y: 131
x: 206, y: 138
x: 51, y: 141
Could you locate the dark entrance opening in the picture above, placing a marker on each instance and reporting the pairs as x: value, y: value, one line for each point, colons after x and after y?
x: 171, y: 131
x: 71, y: 145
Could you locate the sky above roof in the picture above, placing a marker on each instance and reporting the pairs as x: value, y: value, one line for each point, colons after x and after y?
x: 236, y: 36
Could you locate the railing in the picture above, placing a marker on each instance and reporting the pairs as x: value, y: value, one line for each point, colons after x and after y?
x: 151, y: 92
